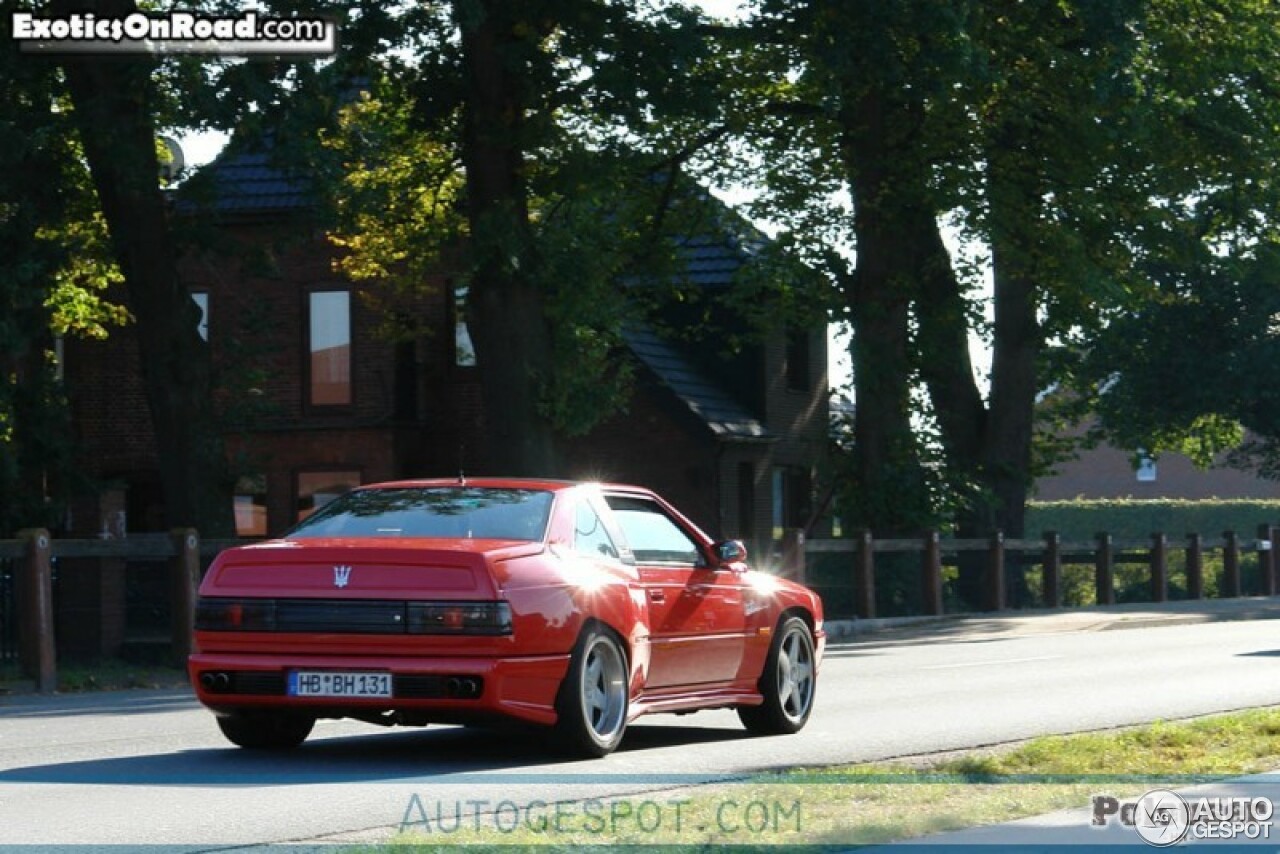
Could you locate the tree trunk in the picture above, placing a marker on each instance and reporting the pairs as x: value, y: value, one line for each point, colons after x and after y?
x: 890, y: 494
x: 991, y: 445
x: 505, y: 306
x: 1017, y: 339
x: 112, y: 110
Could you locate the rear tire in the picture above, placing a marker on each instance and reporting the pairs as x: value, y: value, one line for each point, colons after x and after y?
x: 592, y: 704
x: 788, y: 683
x: 265, y: 730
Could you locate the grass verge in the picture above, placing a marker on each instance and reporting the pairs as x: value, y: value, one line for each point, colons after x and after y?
x: 862, y: 804
x: 105, y: 675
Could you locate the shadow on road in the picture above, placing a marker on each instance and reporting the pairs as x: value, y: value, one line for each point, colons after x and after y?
x: 437, y: 754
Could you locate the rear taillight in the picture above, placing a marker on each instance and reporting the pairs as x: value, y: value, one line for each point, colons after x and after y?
x: 459, y: 618
x: 218, y: 614
x: 232, y: 615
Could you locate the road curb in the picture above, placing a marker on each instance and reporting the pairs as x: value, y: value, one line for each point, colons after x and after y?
x: 957, y: 627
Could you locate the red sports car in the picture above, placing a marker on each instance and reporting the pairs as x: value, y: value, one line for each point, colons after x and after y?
x: 573, y: 605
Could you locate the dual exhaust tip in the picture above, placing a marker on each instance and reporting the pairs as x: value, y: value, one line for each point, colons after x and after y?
x: 215, y: 681
x: 463, y: 687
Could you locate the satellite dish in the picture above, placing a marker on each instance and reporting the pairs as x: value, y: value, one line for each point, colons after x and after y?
x: 173, y: 167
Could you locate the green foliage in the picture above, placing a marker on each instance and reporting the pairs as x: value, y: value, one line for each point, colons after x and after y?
x: 1133, y: 519
x: 55, y: 269
x: 76, y: 301
x: 1107, y: 157
x: 397, y: 204
x: 615, y: 103
x: 1191, y: 365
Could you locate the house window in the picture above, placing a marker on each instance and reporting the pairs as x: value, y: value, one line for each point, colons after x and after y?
x: 329, y: 342
x: 318, y: 488
x: 791, y: 496
x: 464, y: 352
x: 798, y: 373
x: 250, y: 502
x: 201, y: 299
x: 1146, y: 468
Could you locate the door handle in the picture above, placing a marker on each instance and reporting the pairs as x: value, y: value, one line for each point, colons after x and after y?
x: 657, y: 596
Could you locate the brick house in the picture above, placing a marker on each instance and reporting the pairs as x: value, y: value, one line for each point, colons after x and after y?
x: 1109, y: 472
x: 332, y: 403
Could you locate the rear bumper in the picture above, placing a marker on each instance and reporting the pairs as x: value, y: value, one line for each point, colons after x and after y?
x: 522, y: 688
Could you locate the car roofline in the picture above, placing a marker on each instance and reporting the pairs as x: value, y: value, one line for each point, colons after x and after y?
x: 546, y: 484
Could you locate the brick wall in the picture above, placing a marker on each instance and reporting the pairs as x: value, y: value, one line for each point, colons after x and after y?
x: 109, y: 408
x: 258, y: 278
x: 1106, y: 472
x: 654, y: 445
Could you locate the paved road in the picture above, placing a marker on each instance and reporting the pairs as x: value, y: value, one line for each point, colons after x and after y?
x: 150, y: 767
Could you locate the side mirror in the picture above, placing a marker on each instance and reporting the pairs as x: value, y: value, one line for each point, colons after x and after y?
x: 730, y: 551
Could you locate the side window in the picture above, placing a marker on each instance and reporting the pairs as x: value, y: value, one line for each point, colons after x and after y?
x: 651, y: 534
x: 589, y: 534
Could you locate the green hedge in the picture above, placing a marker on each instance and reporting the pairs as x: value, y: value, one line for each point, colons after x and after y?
x: 1131, y: 519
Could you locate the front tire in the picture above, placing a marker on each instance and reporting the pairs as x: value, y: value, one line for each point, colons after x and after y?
x: 265, y: 730
x: 592, y: 705
x: 788, y: 683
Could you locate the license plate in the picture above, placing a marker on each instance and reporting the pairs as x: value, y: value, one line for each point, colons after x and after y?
x: 336, y: 683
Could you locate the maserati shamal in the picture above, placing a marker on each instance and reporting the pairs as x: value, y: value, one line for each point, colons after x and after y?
x: 570, y: 605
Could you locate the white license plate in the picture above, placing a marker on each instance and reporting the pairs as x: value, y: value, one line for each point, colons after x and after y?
x: 337, y: 683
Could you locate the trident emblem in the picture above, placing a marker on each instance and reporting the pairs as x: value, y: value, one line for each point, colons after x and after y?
x: 341, y: 575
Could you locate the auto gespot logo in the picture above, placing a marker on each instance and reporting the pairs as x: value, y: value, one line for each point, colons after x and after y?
x: 1163, y: 818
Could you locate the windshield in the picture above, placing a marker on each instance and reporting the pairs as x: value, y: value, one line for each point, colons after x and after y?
x: 454, y: 512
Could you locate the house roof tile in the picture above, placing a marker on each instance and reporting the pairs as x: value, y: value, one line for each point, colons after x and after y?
x: 249, y: 182
x: 724, y: 416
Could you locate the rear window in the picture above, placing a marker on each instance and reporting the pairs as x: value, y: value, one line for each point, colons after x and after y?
x: 460, y: 512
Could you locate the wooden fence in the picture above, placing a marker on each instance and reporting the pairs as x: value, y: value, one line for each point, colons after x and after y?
x: 1052, y: 553
x: 33, y: 556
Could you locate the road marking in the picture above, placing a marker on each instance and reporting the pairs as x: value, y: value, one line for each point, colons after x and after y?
x: 992, y: 663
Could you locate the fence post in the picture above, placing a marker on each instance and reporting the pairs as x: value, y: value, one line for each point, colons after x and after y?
x: 1051, y: 572
x: 931, y: 575
x: 995, y: 572
x: 864, y: 578
x: 1195, y: 567
x: 1230, y: 566
x: 34, y: 577
x: 184, y: 575
x: 1159, y: 569
x: 1105, y: 582
x: 1267, y: 558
